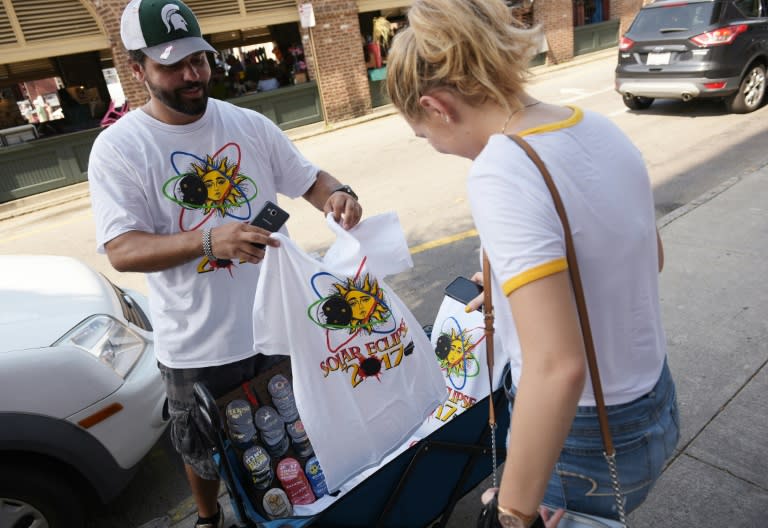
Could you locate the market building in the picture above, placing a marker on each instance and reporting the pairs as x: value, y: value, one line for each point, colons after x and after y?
x: 64, y: 74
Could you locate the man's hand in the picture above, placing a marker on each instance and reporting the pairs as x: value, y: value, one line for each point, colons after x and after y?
x: 234, y: 241
x: 346, y: 210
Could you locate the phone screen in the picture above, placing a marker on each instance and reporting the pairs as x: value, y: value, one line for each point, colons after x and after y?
x: 463, y: 290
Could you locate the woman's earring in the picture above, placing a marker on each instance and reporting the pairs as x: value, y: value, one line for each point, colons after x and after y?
x: 447, y: 119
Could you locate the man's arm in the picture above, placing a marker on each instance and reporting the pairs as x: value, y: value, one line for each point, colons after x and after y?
x: 146, y: 252
x: 344, y: 207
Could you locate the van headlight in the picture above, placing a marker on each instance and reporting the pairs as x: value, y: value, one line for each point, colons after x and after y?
x: 108, y: 340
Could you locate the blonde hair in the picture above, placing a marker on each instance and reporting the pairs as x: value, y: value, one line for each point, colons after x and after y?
x: 475, y: 48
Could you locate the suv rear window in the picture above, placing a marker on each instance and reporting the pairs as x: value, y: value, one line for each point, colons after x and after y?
x: 661, y: 21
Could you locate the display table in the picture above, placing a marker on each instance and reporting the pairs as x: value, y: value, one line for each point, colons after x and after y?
x: 17, y: 134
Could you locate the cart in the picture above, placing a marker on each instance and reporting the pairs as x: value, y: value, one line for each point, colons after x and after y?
x: 418, y: 488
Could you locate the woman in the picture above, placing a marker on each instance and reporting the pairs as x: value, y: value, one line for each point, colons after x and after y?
x: 457, y: 75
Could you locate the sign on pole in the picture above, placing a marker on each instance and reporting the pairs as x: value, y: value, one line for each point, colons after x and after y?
x: 306, y: 15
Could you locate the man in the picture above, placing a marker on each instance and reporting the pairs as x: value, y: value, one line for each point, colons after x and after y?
x: 173, y: 188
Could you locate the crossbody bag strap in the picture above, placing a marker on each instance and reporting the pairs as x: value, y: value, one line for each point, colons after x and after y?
x: 488, y: 317
x: 586, y: 329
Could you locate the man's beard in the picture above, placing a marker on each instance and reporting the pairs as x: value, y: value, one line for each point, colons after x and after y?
x: 174, y: 99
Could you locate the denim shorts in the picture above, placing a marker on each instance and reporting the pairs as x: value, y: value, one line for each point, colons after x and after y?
x: 645, y: 433
x: 186, y: 436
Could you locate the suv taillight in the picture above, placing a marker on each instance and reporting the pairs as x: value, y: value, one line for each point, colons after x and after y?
x: 720, y: 36
x: 625, y: 44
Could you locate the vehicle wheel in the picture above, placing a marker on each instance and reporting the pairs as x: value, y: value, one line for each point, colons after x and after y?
x: 30, y: 497
x: 750, y: 94
x: 637, y: 102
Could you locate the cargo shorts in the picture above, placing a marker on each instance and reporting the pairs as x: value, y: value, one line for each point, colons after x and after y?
x: 186, y: 437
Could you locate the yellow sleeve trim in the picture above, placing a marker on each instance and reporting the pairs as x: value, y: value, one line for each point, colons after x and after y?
x: 538, y: 272
x: 576, y: 116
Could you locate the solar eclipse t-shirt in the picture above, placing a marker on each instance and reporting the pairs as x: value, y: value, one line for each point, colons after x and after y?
x: 364, y: 373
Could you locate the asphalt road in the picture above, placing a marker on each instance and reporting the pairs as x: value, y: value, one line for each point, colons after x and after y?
x: 689, y: 149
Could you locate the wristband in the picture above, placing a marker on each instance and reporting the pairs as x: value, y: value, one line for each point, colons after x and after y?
x: 207, y: 245
x: 511, y: 515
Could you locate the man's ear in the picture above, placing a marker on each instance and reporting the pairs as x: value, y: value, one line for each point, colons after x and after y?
x: 138, y: 72
x: 438, y: 104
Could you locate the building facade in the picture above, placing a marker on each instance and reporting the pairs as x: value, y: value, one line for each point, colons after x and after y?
x: 63, y: 67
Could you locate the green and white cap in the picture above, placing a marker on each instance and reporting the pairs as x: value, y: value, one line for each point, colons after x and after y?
x: 165, y: 30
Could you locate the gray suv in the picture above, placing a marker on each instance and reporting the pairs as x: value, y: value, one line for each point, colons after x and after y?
x: 686, y: 49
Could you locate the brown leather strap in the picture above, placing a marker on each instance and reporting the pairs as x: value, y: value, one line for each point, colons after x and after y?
x: 578, y: 290
x: 488, y: 316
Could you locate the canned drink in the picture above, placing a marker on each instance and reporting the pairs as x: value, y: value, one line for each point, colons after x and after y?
x: 293, y: 480
x: 316, y: 478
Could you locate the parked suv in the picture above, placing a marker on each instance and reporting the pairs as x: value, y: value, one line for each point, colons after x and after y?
x: 686, y: 49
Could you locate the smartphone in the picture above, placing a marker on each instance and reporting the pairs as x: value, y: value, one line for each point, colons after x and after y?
x: 271, y: 218
x: 463, y: 290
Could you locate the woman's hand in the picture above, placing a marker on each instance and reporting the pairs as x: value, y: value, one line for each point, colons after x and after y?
x: 551, y: 520
x: 475, y: 303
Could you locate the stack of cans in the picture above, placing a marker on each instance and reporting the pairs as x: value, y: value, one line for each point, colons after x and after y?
x: 316, y: 478
x: 300, y: 440
x: 272, y: 429
x: 276, y: 504
x: 293, y: 480
x: 240, y: 423
x: 259, y: 465
x: 282, y: 398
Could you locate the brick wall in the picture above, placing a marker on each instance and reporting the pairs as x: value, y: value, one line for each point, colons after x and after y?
x: 625, y: 11
x: 556, y: 17
x: 110, y: 12
x: 343, y: 78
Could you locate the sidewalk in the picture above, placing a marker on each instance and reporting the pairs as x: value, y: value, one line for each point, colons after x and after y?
x: 714, y: 305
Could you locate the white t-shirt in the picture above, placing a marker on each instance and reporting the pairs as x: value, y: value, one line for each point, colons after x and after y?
x: 607, y: 195
x: 364, y: 374
x: 148, y: 176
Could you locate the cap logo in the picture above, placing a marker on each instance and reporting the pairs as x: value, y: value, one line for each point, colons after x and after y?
x: 172, y: 18
x: 166, y: 52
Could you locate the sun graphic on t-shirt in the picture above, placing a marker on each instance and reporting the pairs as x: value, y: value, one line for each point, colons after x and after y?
x: 221, y: 183
x: 454, y: 353
x: 366, y: 303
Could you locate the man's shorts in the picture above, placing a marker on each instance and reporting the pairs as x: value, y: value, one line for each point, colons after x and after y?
x: 185, y: 414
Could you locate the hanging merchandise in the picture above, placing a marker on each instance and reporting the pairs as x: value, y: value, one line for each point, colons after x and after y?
x: 363, y: 370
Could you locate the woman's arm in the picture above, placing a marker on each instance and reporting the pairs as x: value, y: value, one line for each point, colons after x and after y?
x: 552, y: 379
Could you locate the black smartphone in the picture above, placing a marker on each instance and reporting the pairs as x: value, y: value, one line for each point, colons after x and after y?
x: 271, y: 217
x: 463, y: 290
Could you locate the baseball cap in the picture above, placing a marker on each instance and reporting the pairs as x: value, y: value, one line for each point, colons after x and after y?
x: 165, y: 30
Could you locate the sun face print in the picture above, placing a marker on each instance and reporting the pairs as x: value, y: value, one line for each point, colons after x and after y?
x: 365, y: 301
x: 210, y: 185
x: 222, y: 184
x: 454, y: 352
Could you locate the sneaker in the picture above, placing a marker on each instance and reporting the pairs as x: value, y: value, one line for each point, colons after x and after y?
x: 216, y: 522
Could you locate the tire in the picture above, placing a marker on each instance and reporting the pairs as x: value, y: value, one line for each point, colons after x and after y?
x: 751, y: 92
x: 30, y: 496
x: 637, y: 102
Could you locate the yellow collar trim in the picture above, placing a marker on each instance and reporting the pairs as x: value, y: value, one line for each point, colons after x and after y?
x: 575, y: 118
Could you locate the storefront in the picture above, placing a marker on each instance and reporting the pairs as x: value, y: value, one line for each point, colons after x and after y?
x: 64, y: 69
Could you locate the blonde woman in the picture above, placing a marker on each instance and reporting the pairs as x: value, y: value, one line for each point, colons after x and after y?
x: 457, y: 76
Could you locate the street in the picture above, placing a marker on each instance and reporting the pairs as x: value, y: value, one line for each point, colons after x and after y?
x: 689, y: 148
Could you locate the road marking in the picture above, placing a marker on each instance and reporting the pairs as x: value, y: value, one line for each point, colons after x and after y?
x: 587, y: 95
x: 443, y: 241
